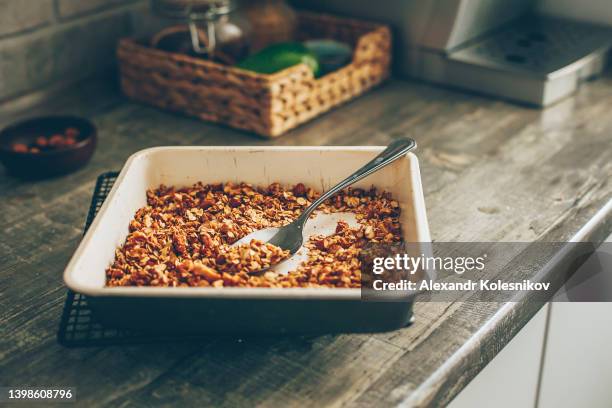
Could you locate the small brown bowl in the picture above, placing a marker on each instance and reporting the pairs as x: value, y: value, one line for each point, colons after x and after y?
x: 46, y: 163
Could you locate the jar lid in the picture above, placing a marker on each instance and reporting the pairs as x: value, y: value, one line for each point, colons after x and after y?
x: 192, y: 9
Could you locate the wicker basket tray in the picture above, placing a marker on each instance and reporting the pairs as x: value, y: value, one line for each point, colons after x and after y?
x: 265, y: 104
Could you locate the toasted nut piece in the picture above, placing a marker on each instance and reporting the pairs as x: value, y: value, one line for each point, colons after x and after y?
x: 351, y: 201
x: 207, y: 203
x: 207, y: 272
x: 180, y: 242
x: 299, y: 190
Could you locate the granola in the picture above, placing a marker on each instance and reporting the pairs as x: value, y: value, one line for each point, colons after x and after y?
x: 183, y: 237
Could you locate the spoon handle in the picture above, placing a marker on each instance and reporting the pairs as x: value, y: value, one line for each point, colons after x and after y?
x: 394, y: 151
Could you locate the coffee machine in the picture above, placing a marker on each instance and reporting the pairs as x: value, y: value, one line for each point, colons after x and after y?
x: 530, y: 51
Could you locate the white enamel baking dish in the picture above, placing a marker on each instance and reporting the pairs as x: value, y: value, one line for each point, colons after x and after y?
x: 250, y: 310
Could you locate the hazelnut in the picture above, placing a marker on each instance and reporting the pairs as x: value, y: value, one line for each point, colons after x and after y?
x: 72, y: 132
x: 20, y: 148
x: 56, y: 140
x: 41, y: 141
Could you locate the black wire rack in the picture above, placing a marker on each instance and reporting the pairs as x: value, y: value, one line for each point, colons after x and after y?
x: 78, y: 326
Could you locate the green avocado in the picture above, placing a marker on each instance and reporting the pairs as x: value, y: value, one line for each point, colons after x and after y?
x: 280, y: 56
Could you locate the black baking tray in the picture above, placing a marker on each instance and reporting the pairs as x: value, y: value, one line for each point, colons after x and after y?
x: 79, y: 326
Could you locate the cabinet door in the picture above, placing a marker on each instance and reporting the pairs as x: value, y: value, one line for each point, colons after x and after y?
x: 578, y: 359
x: 510, y: 380
x: 577, y: 368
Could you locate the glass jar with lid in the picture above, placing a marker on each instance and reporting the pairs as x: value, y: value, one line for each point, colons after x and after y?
x: 212, y: 29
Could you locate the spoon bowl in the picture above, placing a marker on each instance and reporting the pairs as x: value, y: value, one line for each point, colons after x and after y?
x: 263, y: 235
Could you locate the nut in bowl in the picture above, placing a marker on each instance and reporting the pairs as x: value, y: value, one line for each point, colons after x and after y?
x: 239, y: 306
x: 47, y: 146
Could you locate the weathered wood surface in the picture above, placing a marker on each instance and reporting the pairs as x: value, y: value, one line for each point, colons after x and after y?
x: 491, y: 171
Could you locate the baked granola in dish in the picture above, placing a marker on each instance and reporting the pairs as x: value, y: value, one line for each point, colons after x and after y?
x: 183, y: 237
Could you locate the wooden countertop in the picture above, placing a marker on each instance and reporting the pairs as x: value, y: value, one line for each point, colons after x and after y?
x: 491, y: 171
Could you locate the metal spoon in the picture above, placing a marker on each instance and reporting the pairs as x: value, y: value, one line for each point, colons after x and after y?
x: 290, y: 237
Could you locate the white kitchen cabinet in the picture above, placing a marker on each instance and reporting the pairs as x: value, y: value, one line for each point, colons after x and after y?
x: 510, y: 380
x: 577, y: 365
x: 564, y: 362
x: 577, y: 369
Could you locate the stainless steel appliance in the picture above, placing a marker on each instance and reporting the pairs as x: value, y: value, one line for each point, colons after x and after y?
x: 514, y: 49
